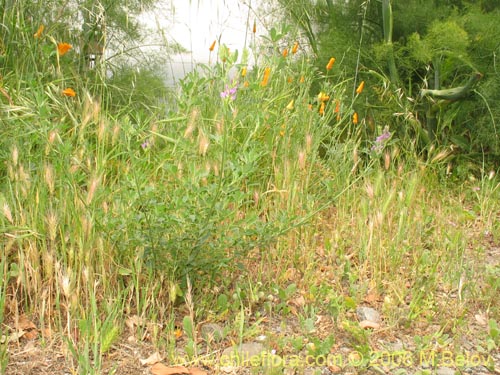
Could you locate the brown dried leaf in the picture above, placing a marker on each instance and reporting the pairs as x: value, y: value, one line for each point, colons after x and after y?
x: 151, y: 360
x: 299, y: 301
x: 31, y: 334
x: 481, y: 319
x: 334, y: 369
x: 161, y: 369
x: 24, y: 324
x: 25, y: 328
x: 16, y: 336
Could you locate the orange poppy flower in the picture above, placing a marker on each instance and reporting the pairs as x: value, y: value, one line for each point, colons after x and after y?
x: 265, y: 79
x: 322, y: 108
x: 285, y: 52
x: 243, y: 72
x: 337, y: 106
x: 69, y: 92
x: 63, y: 48
x: 254, y: 29
x: 355, y: 118
x: 39, y: 32
x: 360, y: 88
x: 330, y: 63
x: 295, y: 48
x: 212, y: 46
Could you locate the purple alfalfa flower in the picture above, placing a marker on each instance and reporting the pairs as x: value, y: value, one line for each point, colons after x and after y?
x: 146, y: 144
x: 381, y: 140
x: 229, y: 92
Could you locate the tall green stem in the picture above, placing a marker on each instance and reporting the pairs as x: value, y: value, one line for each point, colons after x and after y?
x: 387, y: 26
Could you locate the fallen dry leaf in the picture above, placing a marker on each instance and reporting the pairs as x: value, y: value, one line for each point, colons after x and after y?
x: 151, y: 360
x: 31, y: 334
x: 298, y: 302
x: 368, y: 324
x: 16, y: 336
x: 26, y: 328
x: 24, y: 324
x: 334, y: 369
x: 161, y: 369
x: 481, y: 319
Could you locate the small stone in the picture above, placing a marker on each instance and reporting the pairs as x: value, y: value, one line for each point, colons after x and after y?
x: 397, y: 346
x: 367, y: 313
x: 212, y: 332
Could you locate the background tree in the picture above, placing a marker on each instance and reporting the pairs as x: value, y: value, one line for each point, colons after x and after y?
x: 94, y: 29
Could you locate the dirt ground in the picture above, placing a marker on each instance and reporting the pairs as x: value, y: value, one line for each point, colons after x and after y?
x: 34, y: 352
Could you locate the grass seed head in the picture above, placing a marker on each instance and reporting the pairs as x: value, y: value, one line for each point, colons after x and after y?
x: 369, y: 191
x: 49, y: 177
x: 302, y: 160
x: 52, y: 223
x: 94, y: 183
x: 308, y: 142
x: 15, y: 156
x: 7, y: 213
x: 191, y: 126
x: 387, y: 161
x: 203, y: 143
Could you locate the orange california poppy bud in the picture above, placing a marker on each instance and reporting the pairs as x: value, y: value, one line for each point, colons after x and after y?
x: 302, y: 79
x: 39, y: 32
x: 355, y: 118
x: 254, y: 29
x: 360, y: 88
x: 285, y: 52
x: 244, y: 72
x: 322, y: 108
x: 62, y: 48
x: 330, y: 63
x: 295, y: 48
x: 310, y: 107
x: 265, y: 79
x: 337, y: 106
x: 212, y: 46
x: 246, y: 84
x: 69, y: 92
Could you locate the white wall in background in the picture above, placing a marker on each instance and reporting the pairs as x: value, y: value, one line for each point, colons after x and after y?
x: 196, y: 24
